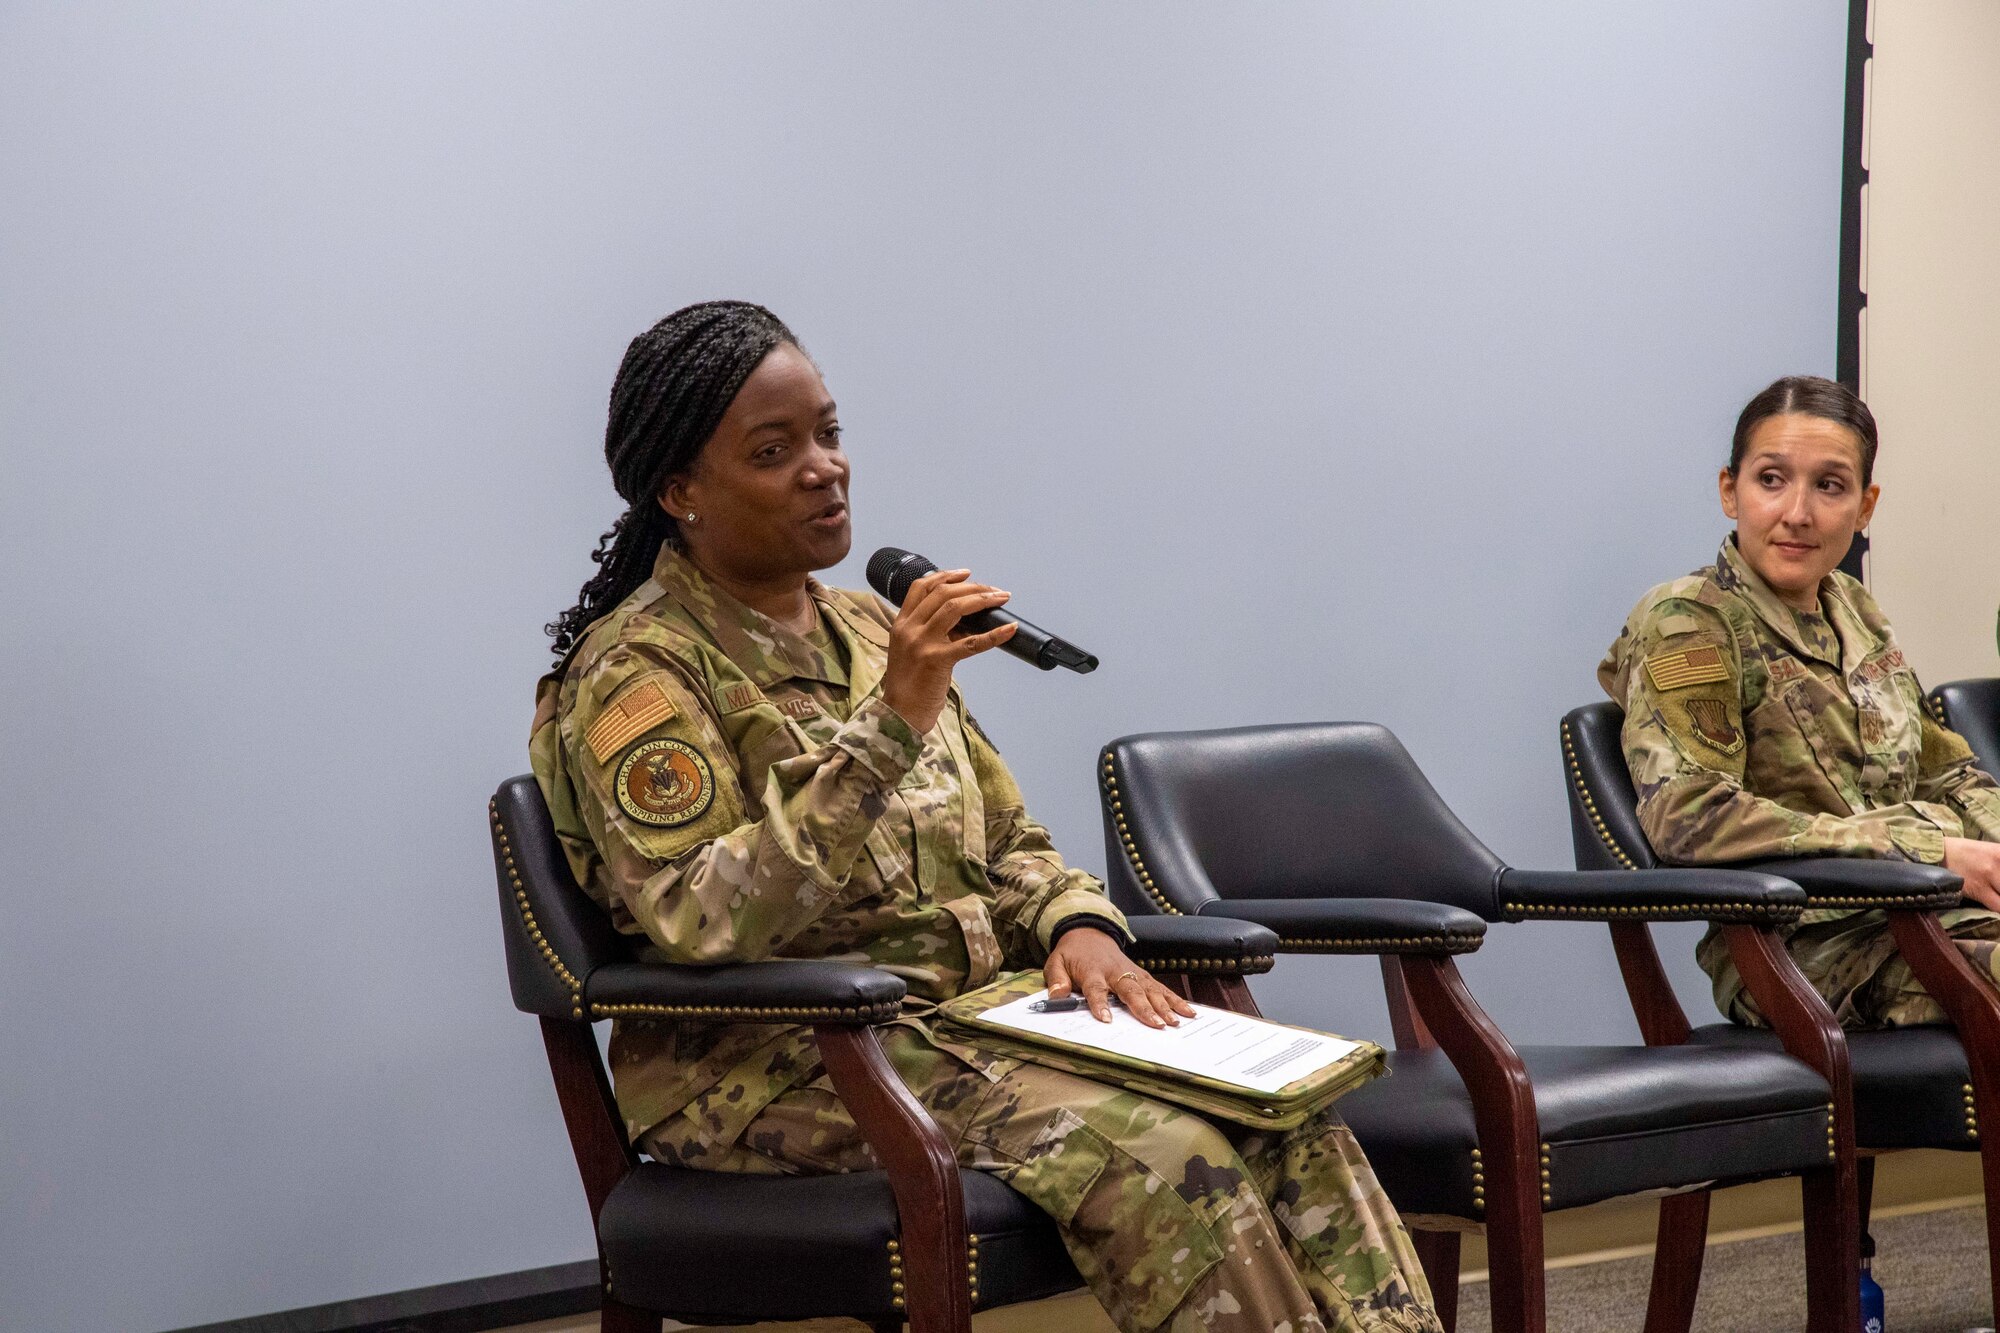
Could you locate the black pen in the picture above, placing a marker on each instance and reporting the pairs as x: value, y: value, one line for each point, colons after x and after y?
x: 1069, y: 1004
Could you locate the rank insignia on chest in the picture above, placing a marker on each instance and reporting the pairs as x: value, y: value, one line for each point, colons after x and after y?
x: 1710, y: 720
x: 1690, y: 666
x: 664, y: 784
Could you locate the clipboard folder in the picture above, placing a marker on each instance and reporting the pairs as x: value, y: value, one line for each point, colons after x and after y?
x: 1286, y: 1108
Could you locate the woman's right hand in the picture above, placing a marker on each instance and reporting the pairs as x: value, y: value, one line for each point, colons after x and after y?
x: 1978, y: 864
x: 924, y: 642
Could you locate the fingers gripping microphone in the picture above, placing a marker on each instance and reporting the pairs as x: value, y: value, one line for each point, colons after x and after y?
x: 891, y: 572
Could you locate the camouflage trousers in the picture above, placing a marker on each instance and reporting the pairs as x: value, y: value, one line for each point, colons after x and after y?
x: 1173, y: 1221
x: 1851, y: 958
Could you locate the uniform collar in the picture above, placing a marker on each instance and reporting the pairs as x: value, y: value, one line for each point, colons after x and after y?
x: 1857, y: 641
x: 761, y: 648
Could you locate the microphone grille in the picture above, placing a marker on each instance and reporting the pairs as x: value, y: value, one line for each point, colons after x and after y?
x: 892, y: 570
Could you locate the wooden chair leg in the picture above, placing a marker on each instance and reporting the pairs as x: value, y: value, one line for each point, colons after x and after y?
x: 1989, y: 1162
x: 1503, y: 1108
x: 618, y: 1317
x: 1864, y: 1190
x: 1681, y: 1245
x: 923, y: 1174
x: 1970, y: 1001
x: 1833, y: 1249
x: 1809, y: 1033
x: 1438, y: 1251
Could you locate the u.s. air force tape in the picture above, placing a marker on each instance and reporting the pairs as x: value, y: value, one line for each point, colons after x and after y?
x: 664, y: 784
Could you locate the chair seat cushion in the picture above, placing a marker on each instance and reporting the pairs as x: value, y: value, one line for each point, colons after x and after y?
x: 713, y: 1247
x: 1614, y: 1120
x: 1911, y: 1085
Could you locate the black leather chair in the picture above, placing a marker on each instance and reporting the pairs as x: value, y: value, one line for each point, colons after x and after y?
x: 1330, y: 835
x: 1972, y: 709
x: 921, y: 1240
x: 1913, y: 1087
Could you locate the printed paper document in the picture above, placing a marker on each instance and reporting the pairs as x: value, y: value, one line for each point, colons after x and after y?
x: 1249, y: 1053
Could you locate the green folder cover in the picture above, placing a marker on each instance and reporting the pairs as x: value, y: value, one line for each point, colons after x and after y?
x: 1286, y: 1108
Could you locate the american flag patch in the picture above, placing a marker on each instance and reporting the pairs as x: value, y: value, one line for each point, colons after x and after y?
x: 1690, y: 666
x: 631, y: 714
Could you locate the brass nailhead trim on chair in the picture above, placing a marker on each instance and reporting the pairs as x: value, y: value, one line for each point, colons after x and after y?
x: 1971, y: 1114
x: 972, y: 1265
x: 1547, y: 1197
x: 1832, y: 1144
x: 1376, y: 943
x: 1262, y: 962
x: 896, y: 1275
x: 747, y: 1013
x: 528, y: 921
x: 1109, y: 779
x: 1701, y: 911
x: 1919, y: 901
x: 1590, y: 804
x: 1478, y: 1181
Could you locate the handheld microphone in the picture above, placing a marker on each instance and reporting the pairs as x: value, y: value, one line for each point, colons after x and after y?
x: 891, y: 572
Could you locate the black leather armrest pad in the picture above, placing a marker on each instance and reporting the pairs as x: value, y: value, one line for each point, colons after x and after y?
x: 1856, y: 881
x: 773, y: 992
x: 1358, y: 925
x: 1693, y: 894
x: 1201, y: 944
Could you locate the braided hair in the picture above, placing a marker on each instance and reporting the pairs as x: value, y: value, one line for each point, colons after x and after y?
x: 676, y: 381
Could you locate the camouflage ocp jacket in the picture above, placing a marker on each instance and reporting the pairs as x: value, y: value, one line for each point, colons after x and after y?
x: 734, y: 791
x: 1754, y: 730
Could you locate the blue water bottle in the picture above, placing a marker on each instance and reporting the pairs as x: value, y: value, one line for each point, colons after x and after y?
x: 1871, y: 1290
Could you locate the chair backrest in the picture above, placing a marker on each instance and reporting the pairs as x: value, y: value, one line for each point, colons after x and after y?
x: 556, y: 936
x: 1603, y: 805
x: 1972, y: 709
x: 1313, y: 810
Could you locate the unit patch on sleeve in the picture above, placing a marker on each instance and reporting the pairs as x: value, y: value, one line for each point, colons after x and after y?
x: 626, y: 718
x: 1690, y: 666
x: 1710, y: 720
x: 664, y: 784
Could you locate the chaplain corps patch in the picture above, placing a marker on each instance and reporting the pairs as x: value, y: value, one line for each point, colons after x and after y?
x: 664, y: 784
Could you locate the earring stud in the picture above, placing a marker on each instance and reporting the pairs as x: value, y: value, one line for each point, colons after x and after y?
x: 690, y: 516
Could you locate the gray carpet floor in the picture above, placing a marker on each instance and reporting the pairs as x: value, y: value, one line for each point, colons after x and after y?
x: 1932, y: 1267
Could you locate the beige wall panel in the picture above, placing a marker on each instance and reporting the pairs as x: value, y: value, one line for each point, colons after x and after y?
x: 1931, y: 343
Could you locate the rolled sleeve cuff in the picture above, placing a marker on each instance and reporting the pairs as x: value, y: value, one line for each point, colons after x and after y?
x: 880, y: 741
x: 1080, y: 906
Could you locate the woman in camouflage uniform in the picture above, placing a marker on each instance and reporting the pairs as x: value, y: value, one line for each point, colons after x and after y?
x: 1769, y: 712
x: 743, y: 764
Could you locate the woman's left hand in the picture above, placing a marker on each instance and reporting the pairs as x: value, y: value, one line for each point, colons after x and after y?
x: 1089, y: 961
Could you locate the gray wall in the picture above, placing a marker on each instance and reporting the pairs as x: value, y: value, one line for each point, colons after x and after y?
x: 1303, y: 361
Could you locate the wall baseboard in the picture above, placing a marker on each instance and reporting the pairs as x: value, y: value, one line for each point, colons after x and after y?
x: 472, y: 1306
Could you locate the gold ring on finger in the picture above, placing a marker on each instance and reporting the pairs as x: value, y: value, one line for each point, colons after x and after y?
x: 1122, y: 975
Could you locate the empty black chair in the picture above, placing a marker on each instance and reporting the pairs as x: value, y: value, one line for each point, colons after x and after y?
x: 1330, y: 835
x: 1913, y: 1087
x: 921, y: 1240
x: 1972, y: 709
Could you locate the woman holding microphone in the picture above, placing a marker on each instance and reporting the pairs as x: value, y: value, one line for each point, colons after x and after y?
x: 744, y: 764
